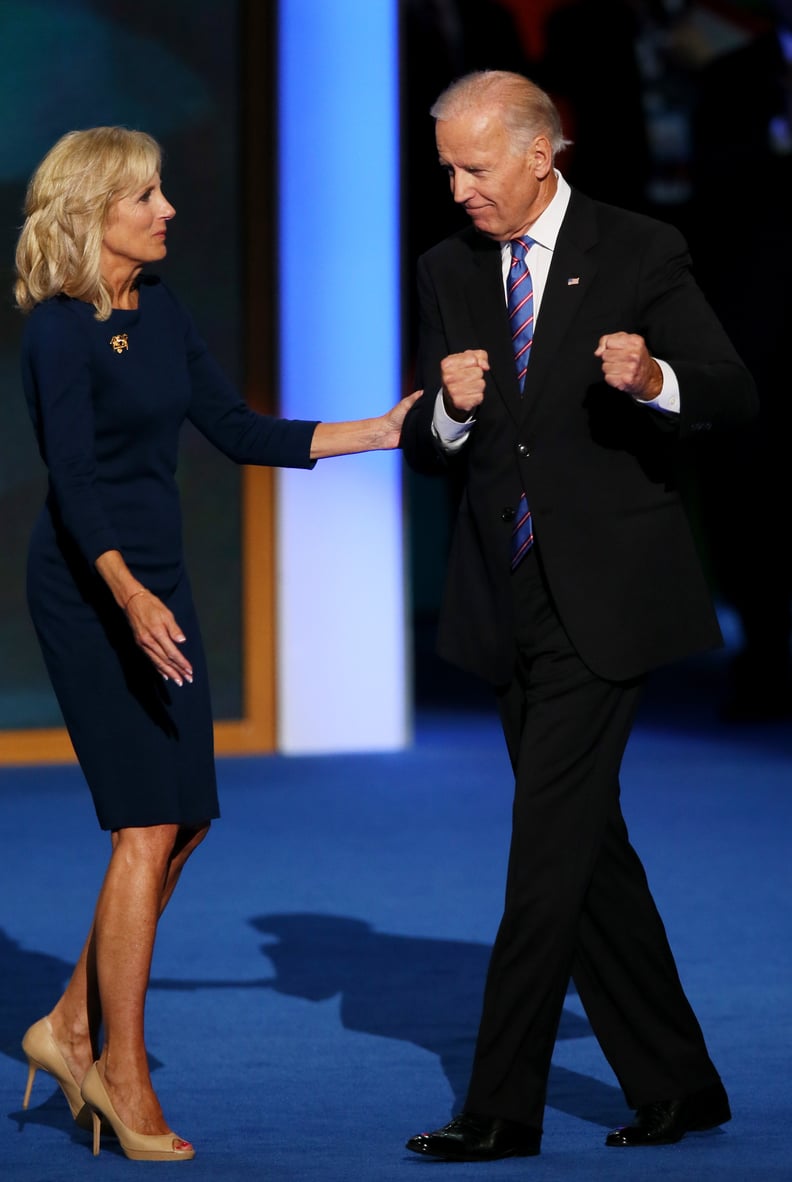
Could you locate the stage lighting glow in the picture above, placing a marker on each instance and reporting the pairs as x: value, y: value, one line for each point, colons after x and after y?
x: 341, y: 598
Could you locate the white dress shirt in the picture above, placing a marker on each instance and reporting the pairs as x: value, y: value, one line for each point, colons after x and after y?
x: 544, y: 231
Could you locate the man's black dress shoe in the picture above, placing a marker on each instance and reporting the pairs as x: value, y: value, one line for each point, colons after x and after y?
x: 469, y: 1137
x: 667, y: 1121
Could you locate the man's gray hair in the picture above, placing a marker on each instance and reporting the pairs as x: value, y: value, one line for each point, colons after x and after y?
x: 525, y: 109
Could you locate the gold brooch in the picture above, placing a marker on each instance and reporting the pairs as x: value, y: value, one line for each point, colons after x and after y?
x: 119, y: 342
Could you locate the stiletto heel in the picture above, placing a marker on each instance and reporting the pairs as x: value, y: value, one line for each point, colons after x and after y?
x: 136, y: 1146
x: 97, y: 1131
x: 43, y: 1053
x: 32, y: 1068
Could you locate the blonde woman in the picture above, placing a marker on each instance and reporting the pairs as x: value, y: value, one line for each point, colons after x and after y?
x: 112, y: 366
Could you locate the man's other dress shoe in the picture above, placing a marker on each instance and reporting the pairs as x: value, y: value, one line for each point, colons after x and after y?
x: 469, y: 1137
x: 667, y: 1121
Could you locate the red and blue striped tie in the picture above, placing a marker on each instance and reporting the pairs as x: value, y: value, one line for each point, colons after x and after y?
x: 520, y: 304
x: 521, y: 320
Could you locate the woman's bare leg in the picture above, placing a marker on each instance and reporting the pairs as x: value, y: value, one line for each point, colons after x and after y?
x: 77, y: 1016
x: 125, y: 927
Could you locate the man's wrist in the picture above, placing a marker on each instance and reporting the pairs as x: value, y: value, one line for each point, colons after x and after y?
x: 450, y: 433
x: 453, y: 412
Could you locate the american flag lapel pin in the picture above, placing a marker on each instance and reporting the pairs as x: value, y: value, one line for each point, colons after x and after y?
x: 573, y: 281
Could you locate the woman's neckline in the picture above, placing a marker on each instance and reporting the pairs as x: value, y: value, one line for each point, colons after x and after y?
x: 134, y: 295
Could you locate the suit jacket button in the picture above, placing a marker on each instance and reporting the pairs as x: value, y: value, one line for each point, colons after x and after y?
x: 522, y: 449
x: 508, y: 514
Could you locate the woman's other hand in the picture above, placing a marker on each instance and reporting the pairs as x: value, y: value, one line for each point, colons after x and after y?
x: 157, y: 632
x: 153, y: 624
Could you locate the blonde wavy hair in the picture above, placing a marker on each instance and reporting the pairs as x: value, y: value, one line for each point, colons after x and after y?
x: 66, y: 207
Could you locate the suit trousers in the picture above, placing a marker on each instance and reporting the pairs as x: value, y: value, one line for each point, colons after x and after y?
x: 577, y: 901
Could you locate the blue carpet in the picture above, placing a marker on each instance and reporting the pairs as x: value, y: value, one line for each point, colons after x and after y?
x: 318, y: 977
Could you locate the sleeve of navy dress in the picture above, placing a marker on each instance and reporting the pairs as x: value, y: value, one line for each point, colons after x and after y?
x: 56, y: 366
x: 226, y: 420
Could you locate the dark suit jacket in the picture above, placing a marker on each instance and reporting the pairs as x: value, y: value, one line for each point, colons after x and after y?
x: 598, y: 469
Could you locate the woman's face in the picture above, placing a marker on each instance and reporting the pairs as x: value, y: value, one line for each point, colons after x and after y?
x: 135, y: 229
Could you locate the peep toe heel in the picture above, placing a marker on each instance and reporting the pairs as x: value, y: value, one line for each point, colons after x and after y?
x: 136, y: 1146
x: 44, y: 1054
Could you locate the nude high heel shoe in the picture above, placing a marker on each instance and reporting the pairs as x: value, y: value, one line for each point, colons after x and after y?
x: 44, y: 1054
x: 137, y: 1146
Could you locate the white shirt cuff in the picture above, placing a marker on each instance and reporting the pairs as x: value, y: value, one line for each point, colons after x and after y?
x: 667, y: 400
x: 450, y: 434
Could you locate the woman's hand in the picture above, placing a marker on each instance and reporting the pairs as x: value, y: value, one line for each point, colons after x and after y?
x: 156, y: 631
x: 392, y: 421
x: 153, y: 624
x: 380, y: 434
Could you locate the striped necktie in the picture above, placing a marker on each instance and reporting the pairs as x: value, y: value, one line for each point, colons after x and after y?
x: 521, y: 319
x: 520, y: 304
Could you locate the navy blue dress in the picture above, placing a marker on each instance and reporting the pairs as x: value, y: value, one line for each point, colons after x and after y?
x: 107, y: 414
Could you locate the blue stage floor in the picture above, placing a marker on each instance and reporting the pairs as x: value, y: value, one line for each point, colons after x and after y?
x: 317, y: 979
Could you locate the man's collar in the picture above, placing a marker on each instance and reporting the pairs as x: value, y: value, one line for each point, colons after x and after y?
x: 546, y: 228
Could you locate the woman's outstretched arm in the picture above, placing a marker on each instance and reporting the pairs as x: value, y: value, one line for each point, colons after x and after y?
x: 380, y: 434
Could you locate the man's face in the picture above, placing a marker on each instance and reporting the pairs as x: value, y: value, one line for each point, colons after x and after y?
x: 500, y: 190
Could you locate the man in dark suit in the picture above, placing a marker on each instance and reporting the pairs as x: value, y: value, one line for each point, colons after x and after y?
x: 565, y: 603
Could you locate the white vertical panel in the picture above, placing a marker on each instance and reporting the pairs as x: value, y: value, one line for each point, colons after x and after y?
x: 342, y: 677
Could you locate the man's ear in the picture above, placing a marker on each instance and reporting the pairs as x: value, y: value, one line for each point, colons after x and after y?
x: 542, y: 156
